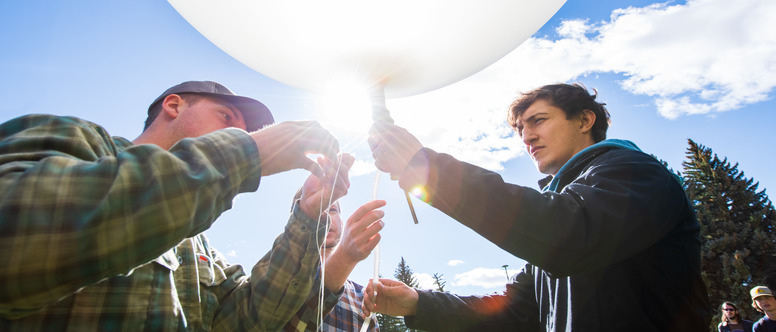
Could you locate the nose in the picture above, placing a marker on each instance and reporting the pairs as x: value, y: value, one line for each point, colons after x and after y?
x: 528, y: 136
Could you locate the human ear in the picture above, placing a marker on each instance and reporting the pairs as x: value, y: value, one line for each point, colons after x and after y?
x: 171, y: 105
x: 586, y: 120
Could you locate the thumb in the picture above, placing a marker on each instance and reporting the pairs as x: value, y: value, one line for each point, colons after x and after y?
x: 313, y: 167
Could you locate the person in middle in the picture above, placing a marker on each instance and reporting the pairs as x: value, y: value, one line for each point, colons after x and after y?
x: 344, y: 247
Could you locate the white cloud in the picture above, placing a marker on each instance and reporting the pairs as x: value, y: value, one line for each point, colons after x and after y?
x: 482, y: 277
x: 703, y: 57
x: 231, y: 253
x: 455, y: 262
x: 362, y: 167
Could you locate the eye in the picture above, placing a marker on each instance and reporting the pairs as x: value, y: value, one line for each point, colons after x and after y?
x: 518, y: 130
x: 227, y: 116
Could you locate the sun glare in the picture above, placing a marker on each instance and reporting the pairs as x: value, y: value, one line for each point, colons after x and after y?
x: 345, y: 108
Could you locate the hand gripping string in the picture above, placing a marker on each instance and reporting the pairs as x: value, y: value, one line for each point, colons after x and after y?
x: 380, y: 115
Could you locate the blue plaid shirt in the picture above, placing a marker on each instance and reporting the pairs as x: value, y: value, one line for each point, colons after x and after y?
x: 345, y: 316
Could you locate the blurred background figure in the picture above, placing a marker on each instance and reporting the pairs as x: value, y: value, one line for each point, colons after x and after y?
x: 731, y: 320
x: 763, y: 301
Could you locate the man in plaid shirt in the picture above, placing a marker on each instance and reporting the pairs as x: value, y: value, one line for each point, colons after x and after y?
x: 359, y: 236
x: 104, y: 234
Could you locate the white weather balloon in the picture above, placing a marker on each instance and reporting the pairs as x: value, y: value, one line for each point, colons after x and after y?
x: 407, y: 46
x: 404, y: 47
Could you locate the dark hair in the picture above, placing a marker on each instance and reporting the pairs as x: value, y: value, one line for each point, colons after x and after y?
x: 572, y: 99
x: 723, y: 318
x: 155, y: 109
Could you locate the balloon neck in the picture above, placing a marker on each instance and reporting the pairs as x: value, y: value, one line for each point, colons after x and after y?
x: 380, y: 113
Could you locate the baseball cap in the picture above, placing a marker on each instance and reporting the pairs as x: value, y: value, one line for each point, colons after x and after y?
x: 760, y: 291
x: 255, y: 113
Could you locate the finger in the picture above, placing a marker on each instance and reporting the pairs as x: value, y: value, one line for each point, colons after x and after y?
x: 367, y: 305
x: 365, y: 233
x: 366, y: 208
x: 313, y: 167
x: 319, y: 140
x: 371, y: 217
x: 362, y: 229
x: 378, y: 128
x: 324, y: 163
x: 376, y: 156
x: 329, y: 147
x: 372, y: 243
x: 373, y: 229
x: 374, y: 142
x: 347, y: 159
x: 343, y: 177
x: 388, y: 282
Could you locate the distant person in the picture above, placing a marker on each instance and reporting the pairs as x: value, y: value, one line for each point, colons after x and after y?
x: 764, y: 302
x: 104, y: 234
x: 360, y: 235
x: 611, y: 239
x: 731, y: 320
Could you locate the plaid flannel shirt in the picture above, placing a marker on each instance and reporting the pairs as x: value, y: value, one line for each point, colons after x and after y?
x: 103, y: 235
x: 346, y: 315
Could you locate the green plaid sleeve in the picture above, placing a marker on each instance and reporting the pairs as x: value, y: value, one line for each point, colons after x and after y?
x: 77, y: 206
x: 310, y: 315
x: 280, y: 282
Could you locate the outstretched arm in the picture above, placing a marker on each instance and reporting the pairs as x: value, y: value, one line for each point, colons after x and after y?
x: 360, y: 236
x: 437, y: 311
x: 74, y: 197
x: 283, y: 281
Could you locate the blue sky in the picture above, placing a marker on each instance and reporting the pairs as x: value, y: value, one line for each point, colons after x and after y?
x: 668, y: 71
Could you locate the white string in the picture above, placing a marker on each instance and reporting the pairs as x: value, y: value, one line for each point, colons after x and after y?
x: 376, y: 253
x: 321, y: 258
x: 379, y: 114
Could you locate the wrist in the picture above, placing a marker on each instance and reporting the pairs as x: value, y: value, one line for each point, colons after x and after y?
x: 337, y: 270
x: 416, y: 172
x: 313, y: 213
x: 341, y: 260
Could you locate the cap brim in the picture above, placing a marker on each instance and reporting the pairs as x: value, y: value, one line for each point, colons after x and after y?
x: 256, y: 114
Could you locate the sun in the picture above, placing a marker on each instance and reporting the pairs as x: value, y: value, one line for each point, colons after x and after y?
x: 345, y: 107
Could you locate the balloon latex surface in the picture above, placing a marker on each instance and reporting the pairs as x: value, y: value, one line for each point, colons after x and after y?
x: 408, y: 46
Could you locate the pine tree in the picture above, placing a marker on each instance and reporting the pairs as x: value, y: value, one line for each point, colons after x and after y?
x: 388, y: 323
x: 404, y: 274
x: 440, y: 282
x: 737, y: 228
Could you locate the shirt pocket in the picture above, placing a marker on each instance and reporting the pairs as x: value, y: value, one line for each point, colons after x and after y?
x: 209, y: 272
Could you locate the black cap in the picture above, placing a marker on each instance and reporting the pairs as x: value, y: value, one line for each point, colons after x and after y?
x: 255, y: 113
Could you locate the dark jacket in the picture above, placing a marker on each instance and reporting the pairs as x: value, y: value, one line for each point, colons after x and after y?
x: 615, y: 246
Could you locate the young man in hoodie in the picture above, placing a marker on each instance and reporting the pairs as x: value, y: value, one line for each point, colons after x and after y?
x: 611, y: 240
